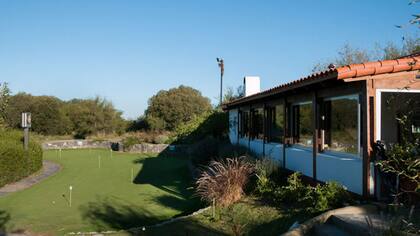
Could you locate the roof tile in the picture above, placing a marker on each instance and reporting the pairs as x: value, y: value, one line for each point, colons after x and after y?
x: 407, y: 63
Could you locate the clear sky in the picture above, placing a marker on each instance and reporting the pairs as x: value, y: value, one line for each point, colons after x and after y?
x: 126, y: 51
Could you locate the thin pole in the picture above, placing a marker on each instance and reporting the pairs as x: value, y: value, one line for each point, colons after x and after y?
x: 26, y: 138
x: 221, y: 87
x: 71, y: 188
x: 99, y: 161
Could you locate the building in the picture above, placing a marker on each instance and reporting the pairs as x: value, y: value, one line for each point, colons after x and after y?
x: 325, y: 125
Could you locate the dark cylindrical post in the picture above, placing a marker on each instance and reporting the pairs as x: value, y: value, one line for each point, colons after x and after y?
x: 26, y: 138
x: 221, y: 88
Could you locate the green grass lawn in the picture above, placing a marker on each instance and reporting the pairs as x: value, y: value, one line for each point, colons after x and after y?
x: 250, y: 216
x: 103, y: 198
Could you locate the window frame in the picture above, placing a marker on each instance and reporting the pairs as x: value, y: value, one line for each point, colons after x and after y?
x: 356, y: 97
x: 294, y: 124
x: 270, y: 119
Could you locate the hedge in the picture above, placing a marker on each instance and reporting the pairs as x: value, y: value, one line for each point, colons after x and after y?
x: 15, y: 162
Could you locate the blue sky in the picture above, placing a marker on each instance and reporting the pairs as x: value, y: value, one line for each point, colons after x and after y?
x: 126, y: 51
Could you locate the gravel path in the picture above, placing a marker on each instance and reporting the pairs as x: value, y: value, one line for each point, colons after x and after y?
x: 48, y: 168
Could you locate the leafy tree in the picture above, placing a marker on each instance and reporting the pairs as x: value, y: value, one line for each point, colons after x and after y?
x: 231, y: 95
x: 52, y: 116
x: 88, y: 116
x: 350, y: 55
x: 170, y: 108
x: 47, y: 117
x: 4, y: 101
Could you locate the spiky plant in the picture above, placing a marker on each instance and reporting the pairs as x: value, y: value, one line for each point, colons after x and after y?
x: 223, y: 181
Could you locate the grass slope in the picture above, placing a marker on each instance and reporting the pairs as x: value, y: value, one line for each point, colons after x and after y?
x: 103, y: 198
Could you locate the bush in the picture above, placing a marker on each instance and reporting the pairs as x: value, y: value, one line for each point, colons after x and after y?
x: 205, y: 150
x: 160, y: 139
x: 295, y: 192
x: 15, y: 163
x: 403, y: 160
x: 314, y: 199
x: 265, y: 168
x: 211, y: 148
x: 223, y: 181
x: 214, y: 124
x: 330, y: 195
x: 130, y: 141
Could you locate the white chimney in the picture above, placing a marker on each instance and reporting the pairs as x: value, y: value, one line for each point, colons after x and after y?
x: 251, y: 85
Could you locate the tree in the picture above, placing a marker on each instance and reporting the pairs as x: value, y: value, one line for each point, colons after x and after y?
x: 170, y: 108
x: 47, y: 116
x: 89, y: 116
x: 4, y: 101
x: 231, y: 95
x: 350, y: 55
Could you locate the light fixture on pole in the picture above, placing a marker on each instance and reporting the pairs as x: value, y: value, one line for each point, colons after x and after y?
x: 222, y: 70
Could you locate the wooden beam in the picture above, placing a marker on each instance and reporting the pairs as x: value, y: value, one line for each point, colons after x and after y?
x: 315, y: 133
x: 285, y: 118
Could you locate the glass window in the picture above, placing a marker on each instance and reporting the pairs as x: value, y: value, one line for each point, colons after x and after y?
x: 341, y: 124
x: 302, y: 124
x: 245, y: 124
x: 400, y: 118
x: 275, y: 125
x: 257, y: 123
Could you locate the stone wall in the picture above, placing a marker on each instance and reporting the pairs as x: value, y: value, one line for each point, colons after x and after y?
x: 116, y: 146
x: 75, y: 144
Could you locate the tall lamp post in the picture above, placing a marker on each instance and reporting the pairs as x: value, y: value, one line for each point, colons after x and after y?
x: 222, y: 70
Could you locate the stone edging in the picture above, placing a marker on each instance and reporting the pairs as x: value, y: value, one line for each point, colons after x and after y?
x: 304, y: 228
x: 143, y: 228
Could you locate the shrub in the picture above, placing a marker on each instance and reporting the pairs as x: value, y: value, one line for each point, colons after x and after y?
x: 15, y: 163
x: 160, y: 139
x: 223, y: 181
x: 130, y: 141
x: 295, y: 192
x: 211, y: 148
x: 265, y: 168
x: 205, y: 150
x: 403, y: 160
x: 314, y: 199
x: 214, y: 124
x: 330, y: 195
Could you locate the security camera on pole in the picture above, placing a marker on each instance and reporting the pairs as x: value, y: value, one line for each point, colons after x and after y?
x: 26, y: 124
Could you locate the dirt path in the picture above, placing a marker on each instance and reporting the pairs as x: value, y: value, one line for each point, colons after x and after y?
x: 48, y: 168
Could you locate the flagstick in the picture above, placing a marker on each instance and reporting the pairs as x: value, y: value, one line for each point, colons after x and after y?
x: 99, y: 161
x: 70, y: 188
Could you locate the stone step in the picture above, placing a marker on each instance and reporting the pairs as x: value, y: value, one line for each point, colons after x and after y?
x: 357, y: 224
x: 329, y: 230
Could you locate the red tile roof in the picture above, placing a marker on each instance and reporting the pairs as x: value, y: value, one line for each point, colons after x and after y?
x: 408, y: 63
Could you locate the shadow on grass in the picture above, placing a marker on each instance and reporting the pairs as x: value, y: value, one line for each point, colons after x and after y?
x: 4, y: 218
x: 281, y: 224
x: 171, y: 175
x: 108, y: 213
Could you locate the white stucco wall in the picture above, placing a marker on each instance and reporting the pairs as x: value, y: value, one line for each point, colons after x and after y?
x: 346, y: 170
x: 275, y: 151
x: 300, y: 159
x: 233, y: 126
x: 256, y: 146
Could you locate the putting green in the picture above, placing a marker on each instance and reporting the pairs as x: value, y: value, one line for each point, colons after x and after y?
x: 104, y: 196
